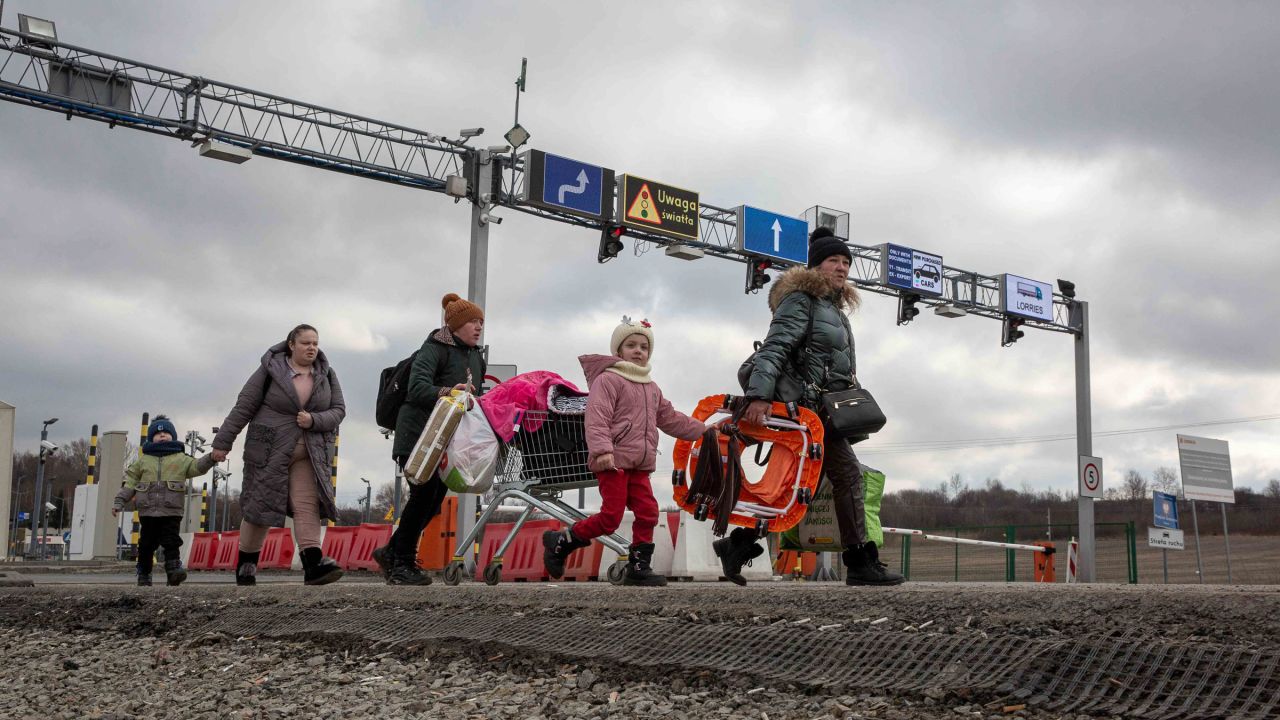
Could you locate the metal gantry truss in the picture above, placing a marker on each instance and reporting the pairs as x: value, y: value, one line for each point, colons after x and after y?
x: 83, y: 83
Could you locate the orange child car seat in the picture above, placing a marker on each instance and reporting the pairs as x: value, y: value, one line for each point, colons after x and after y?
x: 779, y: 499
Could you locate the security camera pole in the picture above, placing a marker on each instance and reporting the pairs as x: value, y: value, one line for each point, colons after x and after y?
x: 38, y: 495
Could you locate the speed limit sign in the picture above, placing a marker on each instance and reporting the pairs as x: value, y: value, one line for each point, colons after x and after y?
x: 1090, y: 476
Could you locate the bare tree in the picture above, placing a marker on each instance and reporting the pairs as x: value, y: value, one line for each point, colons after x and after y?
x: 1273, y: 489
x: 956, y: 486
x: 1135, y: 486
x: 1165, y: 479
x: 383, y: 496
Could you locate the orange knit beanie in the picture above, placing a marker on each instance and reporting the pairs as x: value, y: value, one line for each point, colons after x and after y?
x: 459, y: 312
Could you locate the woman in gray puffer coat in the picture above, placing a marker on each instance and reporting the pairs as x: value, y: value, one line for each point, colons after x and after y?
x: 810, y: 351
x: 292, y: 405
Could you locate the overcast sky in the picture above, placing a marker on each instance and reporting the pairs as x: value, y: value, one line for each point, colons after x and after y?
x: 1130, y: 148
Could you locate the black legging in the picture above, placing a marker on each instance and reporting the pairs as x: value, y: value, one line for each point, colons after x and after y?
x: 423, y: 505
x: 156, y: 532
x: 841, y: 468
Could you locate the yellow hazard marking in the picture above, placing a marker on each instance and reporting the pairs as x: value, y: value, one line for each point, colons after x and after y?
x: 642, y: 208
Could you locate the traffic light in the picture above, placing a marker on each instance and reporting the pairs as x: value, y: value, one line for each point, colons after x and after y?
x: 757, y: 278
x: 610, y: 242
x: 1011, y: 333
x: 907, y: 310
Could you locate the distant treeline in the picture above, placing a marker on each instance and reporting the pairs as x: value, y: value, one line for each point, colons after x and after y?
x: 955, y: 504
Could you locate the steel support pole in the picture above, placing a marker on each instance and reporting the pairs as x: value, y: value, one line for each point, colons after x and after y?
x: 1195, y: 524
x: 1226, y: 536
x: 1084, y: 437
x: 38, y: 492
x: 213, y: 506
x: 477, y: 289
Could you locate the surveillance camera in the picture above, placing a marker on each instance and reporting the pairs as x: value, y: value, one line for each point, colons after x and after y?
x: 499, y: 149
x: 471, y: 132
x: 50, y: 506
x: 48, y: 446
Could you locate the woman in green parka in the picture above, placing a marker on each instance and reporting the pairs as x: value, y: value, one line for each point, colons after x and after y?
x: 810, y: 351
x: 448, y: 359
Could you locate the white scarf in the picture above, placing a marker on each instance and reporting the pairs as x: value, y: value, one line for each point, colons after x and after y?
x: 631, y: 371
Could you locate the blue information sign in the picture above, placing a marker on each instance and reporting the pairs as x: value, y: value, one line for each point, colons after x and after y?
x: 1166, y: 509
x: 761, y: 232
x: 572, y: 185
x: 912, y: 270
x: 24, y: 516
x: 564, y: 184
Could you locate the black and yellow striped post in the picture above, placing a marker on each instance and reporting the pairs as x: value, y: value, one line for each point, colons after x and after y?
x: 93, y: 456
x: 204, y: 507
x: 333, y: 471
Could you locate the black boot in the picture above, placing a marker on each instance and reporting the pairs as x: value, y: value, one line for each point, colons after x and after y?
x: 873, y: 556
x: 385, y: 559
x: 862, y: 571
x: 405, y: 571
x: 557, y: 544
x: 736, y: 550
x: 144, y: 577
x: 317, y: 569
x: 640, y: 569
x: 247, y: 569
x: 174, y: 572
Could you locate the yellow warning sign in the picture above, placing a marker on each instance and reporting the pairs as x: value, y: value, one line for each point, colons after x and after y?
x: 642, y: 209
x: 659, y: 208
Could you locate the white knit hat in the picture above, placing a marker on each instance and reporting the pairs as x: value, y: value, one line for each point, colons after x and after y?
x: 627, y: 328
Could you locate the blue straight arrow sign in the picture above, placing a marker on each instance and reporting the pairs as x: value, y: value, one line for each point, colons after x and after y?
x: 771, y: 235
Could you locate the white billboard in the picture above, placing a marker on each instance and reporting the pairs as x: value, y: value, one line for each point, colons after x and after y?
x: 1206, y: 469
x: 1026, y: 297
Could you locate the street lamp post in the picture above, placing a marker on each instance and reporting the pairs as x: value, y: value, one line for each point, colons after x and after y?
x: 38, y: 496
x: 13, y: 526
x: 368, y: 497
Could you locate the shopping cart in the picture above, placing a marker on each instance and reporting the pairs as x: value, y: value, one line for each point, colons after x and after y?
x: 546, y: 456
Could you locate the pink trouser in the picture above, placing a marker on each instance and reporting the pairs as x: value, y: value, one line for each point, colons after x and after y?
x: 620, y: 490
x: 304, y: 506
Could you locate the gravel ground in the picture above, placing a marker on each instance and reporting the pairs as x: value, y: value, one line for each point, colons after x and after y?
x: 76, y: 651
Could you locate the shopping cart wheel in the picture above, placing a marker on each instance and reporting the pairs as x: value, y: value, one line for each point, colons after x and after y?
x: 762, y: 528
x: 453, y: 573
x: 493, y: 573
x: 617, y: 571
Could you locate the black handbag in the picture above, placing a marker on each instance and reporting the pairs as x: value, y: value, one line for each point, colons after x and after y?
x: 852, y: 414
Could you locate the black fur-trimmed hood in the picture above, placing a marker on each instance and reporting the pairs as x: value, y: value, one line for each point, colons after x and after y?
x: 812, y: 283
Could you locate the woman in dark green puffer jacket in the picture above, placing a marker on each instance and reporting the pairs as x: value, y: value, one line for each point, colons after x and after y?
x: 810, y: 351
x: 449, y: 359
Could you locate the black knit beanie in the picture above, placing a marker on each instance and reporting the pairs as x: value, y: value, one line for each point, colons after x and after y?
x: 823, y: 244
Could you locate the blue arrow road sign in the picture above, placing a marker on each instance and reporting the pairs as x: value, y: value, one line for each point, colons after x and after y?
x: 572, y: 185
x: 1166, y: 509
x: 761, y: 232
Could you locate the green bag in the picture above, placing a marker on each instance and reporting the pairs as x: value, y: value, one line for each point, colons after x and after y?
x: 818, y: 530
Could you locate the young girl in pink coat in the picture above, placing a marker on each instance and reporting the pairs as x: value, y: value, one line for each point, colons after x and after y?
x: 625, y: 410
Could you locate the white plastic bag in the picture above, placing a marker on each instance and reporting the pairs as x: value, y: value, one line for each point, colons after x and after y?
x: 472, y: 455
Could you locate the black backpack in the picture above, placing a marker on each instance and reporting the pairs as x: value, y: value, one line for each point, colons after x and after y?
x: 393, y: 385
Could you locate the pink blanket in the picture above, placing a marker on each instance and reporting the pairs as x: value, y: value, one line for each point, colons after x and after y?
x: 526, y: 391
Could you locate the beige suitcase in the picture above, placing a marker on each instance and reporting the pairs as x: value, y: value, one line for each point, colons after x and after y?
x: 435, y: 437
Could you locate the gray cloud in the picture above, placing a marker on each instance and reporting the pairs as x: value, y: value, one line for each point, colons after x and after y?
x: 1125, y: 149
